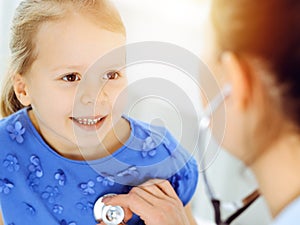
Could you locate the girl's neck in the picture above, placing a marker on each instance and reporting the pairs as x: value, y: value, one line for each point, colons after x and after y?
x: 117, y: 137
x: 113, y: 141
x: 277, y: 171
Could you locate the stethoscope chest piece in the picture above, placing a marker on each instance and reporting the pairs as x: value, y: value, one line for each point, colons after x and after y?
x: 110, y: 215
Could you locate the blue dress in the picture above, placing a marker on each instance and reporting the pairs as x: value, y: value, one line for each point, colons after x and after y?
x: 39, y: 186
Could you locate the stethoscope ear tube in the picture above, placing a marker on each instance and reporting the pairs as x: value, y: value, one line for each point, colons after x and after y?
x: 239, y: 206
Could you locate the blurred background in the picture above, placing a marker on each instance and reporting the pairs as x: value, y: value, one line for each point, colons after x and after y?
x: 184, y: 24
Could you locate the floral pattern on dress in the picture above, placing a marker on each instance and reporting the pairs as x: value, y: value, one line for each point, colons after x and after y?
x: 64, y: 222
x: 60, y: 177
x: 57, y: 209
x: 35, y: 166
x: 33, y: 182
x: 149, y: 147
x: 130, y: 171
x: 30, y: 209
x: 35, y: 173
x: 16, y: 132
x: 84, y: 206
x: 11, y: 163
x: 176, y: 178
x: 50, y: 194
x: 6, y: 186
x: 87, y: 188
x: 106, y: 179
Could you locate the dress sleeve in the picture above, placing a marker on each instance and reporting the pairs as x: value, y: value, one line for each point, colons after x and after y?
x: 185, y: 181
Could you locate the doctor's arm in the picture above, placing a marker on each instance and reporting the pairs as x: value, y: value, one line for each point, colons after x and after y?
x: 156, y: 202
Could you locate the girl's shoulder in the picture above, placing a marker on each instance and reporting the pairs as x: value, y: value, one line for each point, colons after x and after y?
x: 19, y: 115
x: 144, y: 131
x: 151, y: 138
x: 157, y: 146
x: 13, y: 127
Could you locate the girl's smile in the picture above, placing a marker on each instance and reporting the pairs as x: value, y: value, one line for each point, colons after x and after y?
x: 89, y: 123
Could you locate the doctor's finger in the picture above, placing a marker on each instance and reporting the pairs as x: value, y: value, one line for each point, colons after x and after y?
x: 158, y: 186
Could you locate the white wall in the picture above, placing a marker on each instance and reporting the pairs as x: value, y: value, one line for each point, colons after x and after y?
x: 6, y: 12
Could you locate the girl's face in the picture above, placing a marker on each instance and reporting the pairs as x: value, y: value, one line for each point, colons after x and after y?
x: 73, y: 101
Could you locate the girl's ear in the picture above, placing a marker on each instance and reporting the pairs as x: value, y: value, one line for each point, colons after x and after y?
x: 237, y: 75
x: 20, y: 89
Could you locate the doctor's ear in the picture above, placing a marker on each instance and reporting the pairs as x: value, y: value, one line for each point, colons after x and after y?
x: 237, y: 75
x: 20, y: 90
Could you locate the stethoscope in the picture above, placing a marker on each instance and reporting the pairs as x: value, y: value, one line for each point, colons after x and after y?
x: 238, y: 207
x: 114, y: 215
x: 110, y: 215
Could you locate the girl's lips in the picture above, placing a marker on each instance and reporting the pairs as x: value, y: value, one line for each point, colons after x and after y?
x: 89, y: 123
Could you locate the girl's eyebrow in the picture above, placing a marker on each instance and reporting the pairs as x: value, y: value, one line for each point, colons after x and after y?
x: 116, y: 66
x: 69, y: 67
x: 85, y: 68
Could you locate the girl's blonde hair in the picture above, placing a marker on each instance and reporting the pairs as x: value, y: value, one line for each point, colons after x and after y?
x: 29, y: 17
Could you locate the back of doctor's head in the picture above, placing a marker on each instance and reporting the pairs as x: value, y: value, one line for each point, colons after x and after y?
x: 30, y: 16
x: 269, y: 30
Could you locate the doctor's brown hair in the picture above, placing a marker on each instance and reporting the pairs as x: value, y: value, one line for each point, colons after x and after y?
x: 270, y: 31
x: 29, y: 17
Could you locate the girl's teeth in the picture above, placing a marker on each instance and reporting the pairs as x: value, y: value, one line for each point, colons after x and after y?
x: 86, y: 121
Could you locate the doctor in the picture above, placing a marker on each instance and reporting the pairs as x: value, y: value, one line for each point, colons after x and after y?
x: 256, y: 52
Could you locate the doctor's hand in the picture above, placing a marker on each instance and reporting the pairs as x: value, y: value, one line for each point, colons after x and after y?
x: 156, y: 202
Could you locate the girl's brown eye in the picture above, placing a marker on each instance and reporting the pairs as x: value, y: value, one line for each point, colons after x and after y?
x: 72, y: 77
x: 112, y: 75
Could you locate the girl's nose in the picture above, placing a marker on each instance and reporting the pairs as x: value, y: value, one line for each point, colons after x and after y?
x: 91, y: 94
